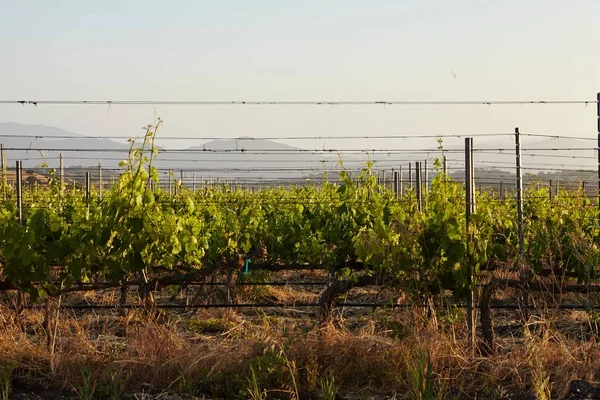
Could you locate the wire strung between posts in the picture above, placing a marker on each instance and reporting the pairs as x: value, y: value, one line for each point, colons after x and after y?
x: 248, y: 138
x: 298, y: 150
x: 321, y: 137
x: 297, y: 102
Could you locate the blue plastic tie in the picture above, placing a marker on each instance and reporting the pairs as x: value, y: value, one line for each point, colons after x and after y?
x: 248, y: 261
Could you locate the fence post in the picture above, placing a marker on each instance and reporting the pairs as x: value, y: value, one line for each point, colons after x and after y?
x: 2, y: 161
x: 550, y: 193
x: 410, y: 182
x: 19, y: 179
x: 469, y: 209
x: 598, y: 116
x: 426, y: 177
x: 170, y: 187
x: 61, y: 172
x: 418, y: 186
x: 400, y: 183
x: 523, y: 269
x: 445, y: 165
x: 87, y: 186
x: 4, y: 167
x: 100, y: 184
x: 519, y: 192
x: 395, y: 176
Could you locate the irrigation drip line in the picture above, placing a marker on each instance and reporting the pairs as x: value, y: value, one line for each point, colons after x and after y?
x: 322, y: 283
x: 262, y: 284
x: 295, y: 305
x: 216, y: 305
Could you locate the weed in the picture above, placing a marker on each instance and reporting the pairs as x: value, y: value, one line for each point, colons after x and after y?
x: 185, y: 385
x: 85, y: 386
x: 6, y: 372
x: 270, y: 370
x: 541, y: 383
x: 254, y: 390
x: 113, y: 384
x: 452, y: 316
x: 328, y: 387
x: 422, y: 384
x: 397, y: 329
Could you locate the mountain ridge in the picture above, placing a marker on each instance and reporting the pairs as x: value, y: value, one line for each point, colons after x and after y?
x: 243, y: 155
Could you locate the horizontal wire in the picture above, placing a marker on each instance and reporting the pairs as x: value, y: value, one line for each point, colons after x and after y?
x: 593, y: 137
x: 298, y: 150
x: 320, y: 137
x: 250, y: 139
x: 297, y: 102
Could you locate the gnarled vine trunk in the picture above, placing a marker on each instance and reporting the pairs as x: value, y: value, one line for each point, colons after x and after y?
x: 338, y: 288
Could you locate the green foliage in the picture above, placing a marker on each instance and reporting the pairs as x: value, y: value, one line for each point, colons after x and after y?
x: 270, y: 370
x: 85, y: 384
x: 255, y: 392
x: 328, y: 387
x: 6, y: 374
x: 66, y: 239
x: 422, y: 383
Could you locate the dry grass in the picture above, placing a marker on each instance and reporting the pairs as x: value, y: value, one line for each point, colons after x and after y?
x: 366, y: 352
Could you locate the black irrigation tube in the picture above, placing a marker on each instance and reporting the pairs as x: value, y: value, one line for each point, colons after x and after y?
x: 322, y: 283
x: 295, y: 305
x: 112, y: 287
x: 260, y: 284
x: 219, y: 305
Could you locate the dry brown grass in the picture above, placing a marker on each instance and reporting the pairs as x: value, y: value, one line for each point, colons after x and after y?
x: 367, y: 353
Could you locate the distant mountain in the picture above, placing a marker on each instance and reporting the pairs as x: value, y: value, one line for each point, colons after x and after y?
x: 28, y: 131
x: 23, y: 142
x: 242, y: 157
x: 246, y: 158
x: 245, y: 143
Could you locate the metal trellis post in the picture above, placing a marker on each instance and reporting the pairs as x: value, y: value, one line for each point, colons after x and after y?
x: 100, y: 183
x: 62, y: 170
x: 469, y: 209
x: 19, y: 179
x: 598, y: 151
x: 87, y: 186
x: 418, y: 185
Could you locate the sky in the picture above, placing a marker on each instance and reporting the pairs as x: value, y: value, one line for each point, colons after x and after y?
x: 310, y: 50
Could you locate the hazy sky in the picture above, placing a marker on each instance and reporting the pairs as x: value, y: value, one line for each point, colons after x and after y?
x: 302, y: 50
